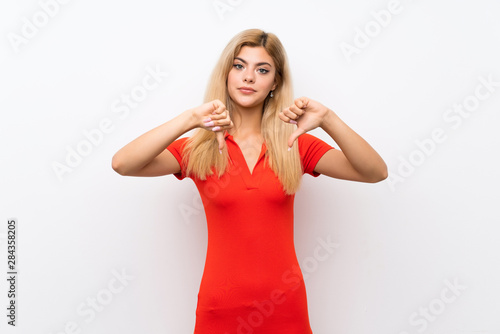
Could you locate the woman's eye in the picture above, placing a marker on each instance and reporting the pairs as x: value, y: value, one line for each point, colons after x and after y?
x: 263, y: 70
x: 238, y: 66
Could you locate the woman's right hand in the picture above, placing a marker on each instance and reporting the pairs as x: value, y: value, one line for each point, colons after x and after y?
x: 213, y: 116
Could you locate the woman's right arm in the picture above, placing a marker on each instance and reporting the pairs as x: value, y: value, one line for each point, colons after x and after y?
x: 147, y: 155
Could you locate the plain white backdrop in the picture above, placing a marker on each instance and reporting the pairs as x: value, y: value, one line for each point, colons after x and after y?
x: 101, y: 253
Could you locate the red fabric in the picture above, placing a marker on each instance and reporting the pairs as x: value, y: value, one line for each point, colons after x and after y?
x: 252, y: 281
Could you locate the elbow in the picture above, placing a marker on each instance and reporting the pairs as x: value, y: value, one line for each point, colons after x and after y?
x: 380, y: 174
x: 117, y: 166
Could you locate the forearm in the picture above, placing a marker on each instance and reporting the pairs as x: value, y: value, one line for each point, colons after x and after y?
x: 362, y: 157
x: 142, y: 150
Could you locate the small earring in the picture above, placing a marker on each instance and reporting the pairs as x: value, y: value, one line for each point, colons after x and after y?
x: 272, y: 94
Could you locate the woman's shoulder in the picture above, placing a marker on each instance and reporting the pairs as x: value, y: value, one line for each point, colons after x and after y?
x: 177, y: 146
x: 179, y: 142
x: 312, y: 145
x: 306, y: 139
x: 311, y: 149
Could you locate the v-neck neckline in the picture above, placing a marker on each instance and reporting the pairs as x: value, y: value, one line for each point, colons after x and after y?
x: 251, y: 179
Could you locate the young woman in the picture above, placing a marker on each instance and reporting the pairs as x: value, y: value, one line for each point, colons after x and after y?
x: 247, y: 157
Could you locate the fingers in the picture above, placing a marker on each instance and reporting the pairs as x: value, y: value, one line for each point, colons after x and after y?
x: 287, y: 116
x: 218, y: 107
x: 219, y: 118
x: 291, y: 114
x: 302, y: 102
x: 221, y: 141
x: 218, y: 121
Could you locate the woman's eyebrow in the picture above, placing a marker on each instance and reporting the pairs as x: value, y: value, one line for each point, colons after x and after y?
x: 258, y: 64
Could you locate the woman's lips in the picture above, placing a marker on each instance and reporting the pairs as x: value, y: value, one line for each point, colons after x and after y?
x: 246, y: 90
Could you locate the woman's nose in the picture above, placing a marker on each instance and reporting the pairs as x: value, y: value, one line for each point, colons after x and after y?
x: 248, y: 76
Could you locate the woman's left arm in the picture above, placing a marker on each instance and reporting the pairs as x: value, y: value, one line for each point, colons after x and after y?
x: 356, y: 160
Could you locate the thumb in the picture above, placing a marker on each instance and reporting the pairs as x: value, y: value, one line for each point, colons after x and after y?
x: 294, y: 136
x: 220, y: 139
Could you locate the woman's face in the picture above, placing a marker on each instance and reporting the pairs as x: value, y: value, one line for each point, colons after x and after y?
x: 252, y: 77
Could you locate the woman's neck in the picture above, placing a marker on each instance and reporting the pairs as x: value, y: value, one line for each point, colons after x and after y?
x: 247, y: 122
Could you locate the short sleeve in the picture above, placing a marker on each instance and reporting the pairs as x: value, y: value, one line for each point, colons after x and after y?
x: 176, y: 148
x: 311, y: 149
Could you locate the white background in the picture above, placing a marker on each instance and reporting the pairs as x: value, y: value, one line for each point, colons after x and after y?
x: 434, y: 220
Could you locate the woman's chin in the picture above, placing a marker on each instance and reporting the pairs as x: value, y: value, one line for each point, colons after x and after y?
x: 248, y: 103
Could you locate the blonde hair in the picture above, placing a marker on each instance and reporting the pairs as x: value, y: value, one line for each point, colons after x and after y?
x: 202, y: 149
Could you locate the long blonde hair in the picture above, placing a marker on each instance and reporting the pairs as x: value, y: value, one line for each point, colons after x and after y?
x: 202, y: 149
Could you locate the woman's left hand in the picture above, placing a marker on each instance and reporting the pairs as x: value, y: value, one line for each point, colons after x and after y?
x: 306, y: 113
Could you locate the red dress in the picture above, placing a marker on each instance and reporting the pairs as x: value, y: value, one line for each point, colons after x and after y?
x: 252, y: 282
